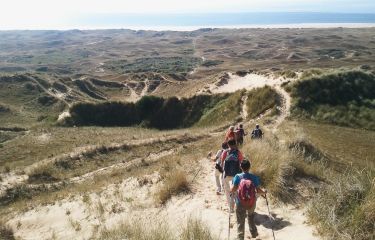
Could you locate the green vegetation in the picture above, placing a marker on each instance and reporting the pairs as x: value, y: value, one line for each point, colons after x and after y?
x: 261, y: 99
x: 343, y: 98
x: 211, y: 63
x: 223, y: 112
x: 168, y: 65
x: 24, y: 102
x: 156, y: 112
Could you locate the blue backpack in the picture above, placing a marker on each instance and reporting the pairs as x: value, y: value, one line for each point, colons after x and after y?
x: 232, y: 164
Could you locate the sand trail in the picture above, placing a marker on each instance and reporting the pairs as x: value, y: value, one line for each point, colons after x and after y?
x: 212, y: 209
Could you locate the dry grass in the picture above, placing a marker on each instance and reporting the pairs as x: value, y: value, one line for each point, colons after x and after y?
x: 272, y: 163
x: 152, y: 229
x: 197, y: 230
x: 139, y: 229
x: 345, y: 209
x: 6, y: 233
x: 175, y: 183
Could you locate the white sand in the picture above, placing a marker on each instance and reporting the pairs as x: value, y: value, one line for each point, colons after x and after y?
x: 250, y: 81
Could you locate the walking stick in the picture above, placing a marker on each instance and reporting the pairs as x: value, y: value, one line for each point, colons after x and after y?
x: 270, y: 217
x: 229, y: 216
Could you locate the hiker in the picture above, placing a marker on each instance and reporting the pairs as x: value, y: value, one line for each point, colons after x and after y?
x: 230, y: 134
x: 245, y: 187
x: 257, y: 133
x: 219, y: 167
x: 230, y: 160
x: 240, y: 133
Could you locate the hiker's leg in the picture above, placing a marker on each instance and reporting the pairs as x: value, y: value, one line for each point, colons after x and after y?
x: 217, y: 179
x: 250, y: 219
x: 241, y: 216
x: 227, y: 185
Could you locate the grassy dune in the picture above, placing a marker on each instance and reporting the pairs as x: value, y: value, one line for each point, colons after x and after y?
x: 343, y: 98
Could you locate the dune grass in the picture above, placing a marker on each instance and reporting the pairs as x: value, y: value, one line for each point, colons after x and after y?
x: 345, y: 208
x: 261, y: 99
x: 343, y: 97
x: 152, y: 229
x: 6, y: 233
x: 226, y: 111
x: 342, y: 207
x: 174, y: 183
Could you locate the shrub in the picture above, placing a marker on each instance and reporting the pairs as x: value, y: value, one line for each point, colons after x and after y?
x: 174, y: 184
x: 154, y: 112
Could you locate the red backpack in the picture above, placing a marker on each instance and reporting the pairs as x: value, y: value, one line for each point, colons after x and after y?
x: 246, y: 193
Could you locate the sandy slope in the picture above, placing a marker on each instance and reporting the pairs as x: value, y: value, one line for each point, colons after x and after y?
x: 82, y: 217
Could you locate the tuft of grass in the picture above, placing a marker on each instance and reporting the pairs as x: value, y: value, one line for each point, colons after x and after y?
x: 136, y: 229
x: 345, y: 209
x: 6, y: 233
x: 174, y: 184
x: 42, y: 174
x: 139, y: 230
x: 197, y: 230
x: 75, y: 225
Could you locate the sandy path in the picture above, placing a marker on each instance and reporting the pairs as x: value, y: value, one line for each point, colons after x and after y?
x: 284, y: 108
x: 213, y: 210
x: 244, y: 111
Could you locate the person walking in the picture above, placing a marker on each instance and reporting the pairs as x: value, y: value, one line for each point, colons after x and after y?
x: 245, y: 187
x: 230, y: 160
x: 218, y: 171
x: 257, y: 133
x: 230, y: 134
x: 240, y: 134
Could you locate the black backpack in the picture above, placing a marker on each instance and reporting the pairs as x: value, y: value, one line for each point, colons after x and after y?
x: 232, y: 163
x: 257, y: 133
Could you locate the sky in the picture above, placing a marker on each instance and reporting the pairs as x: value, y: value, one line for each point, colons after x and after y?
x: 47, y: 14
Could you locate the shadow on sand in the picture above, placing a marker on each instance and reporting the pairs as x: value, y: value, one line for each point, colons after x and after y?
x: 276, y: 224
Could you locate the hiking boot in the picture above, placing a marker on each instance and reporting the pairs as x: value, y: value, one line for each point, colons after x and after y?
x: 254, y: 234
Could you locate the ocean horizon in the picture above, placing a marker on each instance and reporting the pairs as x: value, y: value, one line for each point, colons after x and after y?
x: 188, y: 22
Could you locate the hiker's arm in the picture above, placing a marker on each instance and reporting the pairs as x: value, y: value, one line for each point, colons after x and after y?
x: 261, y: 191
x: 233, y: 189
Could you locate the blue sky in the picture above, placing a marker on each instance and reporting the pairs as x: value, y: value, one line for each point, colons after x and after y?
x: 21, y: 14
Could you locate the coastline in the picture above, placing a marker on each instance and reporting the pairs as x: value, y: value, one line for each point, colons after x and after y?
x: 197, y: 27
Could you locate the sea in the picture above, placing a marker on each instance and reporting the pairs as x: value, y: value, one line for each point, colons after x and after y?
x: 223, y: 20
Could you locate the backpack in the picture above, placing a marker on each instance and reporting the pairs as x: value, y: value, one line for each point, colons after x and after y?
x: 246, y: 193
x: 232, y: 163
x: 240, y: 132
x: 257, y: 133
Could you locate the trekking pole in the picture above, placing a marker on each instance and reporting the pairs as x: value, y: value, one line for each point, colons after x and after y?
x: 270, y: 217
x: 229, y: 216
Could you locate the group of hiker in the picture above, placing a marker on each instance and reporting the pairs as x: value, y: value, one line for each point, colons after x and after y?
x: 232, y: 175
